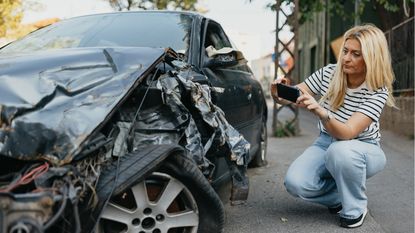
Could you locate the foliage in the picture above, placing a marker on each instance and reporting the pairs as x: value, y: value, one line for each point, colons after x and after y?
x: 11, y: 13
x: 308, y: 7
x: 153, y: 4
x: 21, y: 31
x: 287, y: 129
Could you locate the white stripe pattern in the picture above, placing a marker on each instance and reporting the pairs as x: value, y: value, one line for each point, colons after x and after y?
x: 360, y: 100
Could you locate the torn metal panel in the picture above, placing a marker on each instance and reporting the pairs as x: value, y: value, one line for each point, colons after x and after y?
x: 210, y: 113
x: 51, y: 102
x: 215, y: 117
x: 159, y: 125
x: 172, y: 93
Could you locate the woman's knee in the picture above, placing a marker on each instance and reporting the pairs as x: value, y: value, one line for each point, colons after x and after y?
x: 342, y: 155
x: 291, y: 185
x: 300, y: 179
x: 294, y: 184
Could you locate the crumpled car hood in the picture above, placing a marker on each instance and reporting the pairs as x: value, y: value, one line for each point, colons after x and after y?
x: 51, y: 102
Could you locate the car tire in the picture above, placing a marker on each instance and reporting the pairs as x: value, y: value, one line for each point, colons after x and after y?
x: 260, y: 157
x: 192, y: 206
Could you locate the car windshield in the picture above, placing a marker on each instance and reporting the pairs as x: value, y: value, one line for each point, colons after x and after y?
x: 128, y: 29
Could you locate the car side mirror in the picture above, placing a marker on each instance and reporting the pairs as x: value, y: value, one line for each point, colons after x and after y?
x: 222, y: 58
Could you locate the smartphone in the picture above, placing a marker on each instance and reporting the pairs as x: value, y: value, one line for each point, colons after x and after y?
x: 290, y: 93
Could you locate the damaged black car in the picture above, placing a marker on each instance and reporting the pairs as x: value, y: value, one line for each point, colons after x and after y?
x: 126, y: 122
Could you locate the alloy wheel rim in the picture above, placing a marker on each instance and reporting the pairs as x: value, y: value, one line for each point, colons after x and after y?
x: 161, y: 204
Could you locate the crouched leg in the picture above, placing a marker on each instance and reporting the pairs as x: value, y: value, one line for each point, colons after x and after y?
x: 308, y: 178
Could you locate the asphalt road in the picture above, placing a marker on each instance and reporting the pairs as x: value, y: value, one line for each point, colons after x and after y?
x: 271, y: 209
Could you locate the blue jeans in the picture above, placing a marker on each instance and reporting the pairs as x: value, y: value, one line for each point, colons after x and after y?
x: 333, y: 172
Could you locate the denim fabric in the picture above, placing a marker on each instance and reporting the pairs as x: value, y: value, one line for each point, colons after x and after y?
x: 332, y: 172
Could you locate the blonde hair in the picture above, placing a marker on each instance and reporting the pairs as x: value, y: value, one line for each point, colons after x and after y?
x: 377, y: 60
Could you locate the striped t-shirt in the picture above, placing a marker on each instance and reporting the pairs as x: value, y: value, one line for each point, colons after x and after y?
x: 360, y: 99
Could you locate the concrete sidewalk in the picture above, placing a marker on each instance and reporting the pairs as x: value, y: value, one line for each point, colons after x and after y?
x: 271, y: 209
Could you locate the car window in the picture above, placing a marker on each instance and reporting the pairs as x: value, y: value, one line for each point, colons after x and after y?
x: 216, y: 37
x: 124, y: 30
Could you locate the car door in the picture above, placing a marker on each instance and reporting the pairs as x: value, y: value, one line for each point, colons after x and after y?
x: 236, y: 91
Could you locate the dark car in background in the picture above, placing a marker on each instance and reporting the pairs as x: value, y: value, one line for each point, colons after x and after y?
x: 125, y: 122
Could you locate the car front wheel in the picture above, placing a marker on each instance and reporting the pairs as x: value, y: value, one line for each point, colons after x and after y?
x: 175, y: 199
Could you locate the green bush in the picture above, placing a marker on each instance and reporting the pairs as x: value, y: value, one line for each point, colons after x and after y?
x: 287, y: 129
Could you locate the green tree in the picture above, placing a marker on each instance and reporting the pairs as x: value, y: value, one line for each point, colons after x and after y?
x: 153, y: 4
x: 11, y: 13
x: 389, y: 10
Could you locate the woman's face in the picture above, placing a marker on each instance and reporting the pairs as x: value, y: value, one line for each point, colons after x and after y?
x: 352, y: 59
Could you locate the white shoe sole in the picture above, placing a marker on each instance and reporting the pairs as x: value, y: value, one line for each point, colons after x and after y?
x: 358, y: 224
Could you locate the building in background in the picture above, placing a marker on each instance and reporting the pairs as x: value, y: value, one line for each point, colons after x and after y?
x: 263, y: 69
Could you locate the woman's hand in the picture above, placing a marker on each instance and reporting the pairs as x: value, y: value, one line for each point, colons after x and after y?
x: 307, y: 101
x: 274, y: 92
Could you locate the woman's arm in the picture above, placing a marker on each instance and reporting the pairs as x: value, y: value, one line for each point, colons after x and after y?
x: 347, y: 130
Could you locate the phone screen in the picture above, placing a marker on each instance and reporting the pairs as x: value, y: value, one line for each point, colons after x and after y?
x: 288, y: 92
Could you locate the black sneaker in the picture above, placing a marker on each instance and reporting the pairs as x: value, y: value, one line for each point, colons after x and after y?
x: 335, y: 210
x: 352, y: 223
